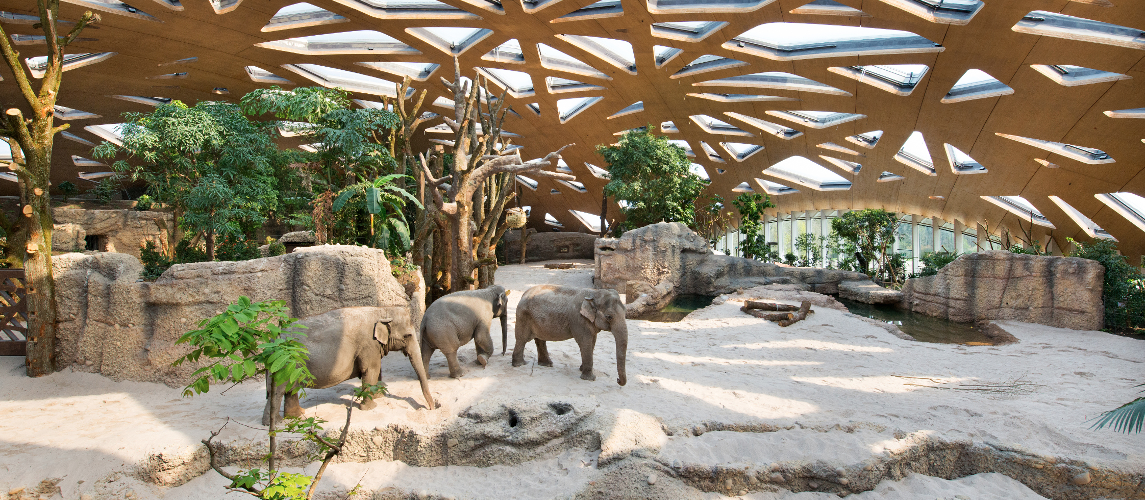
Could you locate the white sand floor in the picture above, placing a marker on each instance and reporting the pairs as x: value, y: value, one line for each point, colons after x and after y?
x: 836, y: 389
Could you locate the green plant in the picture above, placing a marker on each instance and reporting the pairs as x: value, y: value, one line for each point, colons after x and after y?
x: 68, y: 189
x: 872, y: 233
x: 1035, y: 248
x: 713, y: 220
x: 105, y: 190
x: 187, y: 252
x: 1123, y: 289
x: 154, y: 262
x: 651, y: 179
x: 1127, y: 418
x: 274, y: 247
x: 753, y: 244
x: 373, y: 210
x: 933, y: 261
x: 810, y: 249
x: 248, y: 339
x: 235, y: 247
x: 143, y: 203
x: 790, y: 259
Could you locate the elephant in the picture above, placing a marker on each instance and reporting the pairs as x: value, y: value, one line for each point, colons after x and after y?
x: 453, y: 320
x: 551, y: 313
x: 347, y: 343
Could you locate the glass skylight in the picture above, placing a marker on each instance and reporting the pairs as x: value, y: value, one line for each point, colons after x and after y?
x: 682, y: 144
x: 518, y: 83
x: 699, y: 170
x: 416, y: 71
x: 635, y: 107
x: 816, y: 119
x: 1129, y: 205
x: 716, y: 126
x: 686, y: 31
x: 408, y: 9
x: 740, y: 97
x: 350, y: 42
x: 556, y: 60
x: 780, y: 131
x: 792, y: 41
x: 598, y: 10
x: 774, y: 188
x: 664, y: 54
x: 1087, y: 225
x: 615, y: 52
x: 528, y: 182
x: 75, y: 138
x: 711, y: 152
x: 38, y: 65
x: 80, y: 161
x: 1020, y: 207
x: 569, y: 108
x: 804, y: 172
x: 740, y: 151
x: 743, y: 187
x: 66, y: 113
x: 889, y: 177
x: 1086, y: 155
x: 301, y: 15
x: 557, y: 85
x: 957, y: 12
x: 591, y: 221
x: 450, y: 40
x: 976, y: 84
x: 915, y: 154
x: 962, y: 163
x: 355, y: 82
x: 110, y: 132
x: 1072, y: 76
x: 1126, y: 113
x: 866, y: 139
x: 598, y: 172
x: 900, y: 79
x: 827, y: 8
x: 552, y: 221
x: 116, y: 7
x: 704, y: 6
x: 847, y: 166
x: 508, y: 52
x: 260, y: 75
x: 150, y: 101
x: 774, y: 80
x: 576, y: 186
x: 839, y: 149
x: 1052, y: 24
x: 706, y: 63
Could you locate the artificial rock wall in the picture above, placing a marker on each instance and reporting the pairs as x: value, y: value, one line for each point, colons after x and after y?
x: 113, y: 323
x: 123, y: 231
x: 1056, y: 291
x: 548, y: 246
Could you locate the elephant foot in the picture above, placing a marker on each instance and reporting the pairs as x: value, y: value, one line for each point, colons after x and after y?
x: 456, y: 374
x: 518, y: 362
x: 482, y: 360
x: 547, y: 362
x: 367, y: 405
x: 587, y: 376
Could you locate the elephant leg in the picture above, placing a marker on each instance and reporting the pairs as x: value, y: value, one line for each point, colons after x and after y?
x: 292, y: 408
x: 370, y: 376
x: 484, y: 344
x: 543, y: 358
x: 426, y: 353
x: 586, y: 347
x: 273, y: 408
x: 454, y: 367
x: 523, y: 336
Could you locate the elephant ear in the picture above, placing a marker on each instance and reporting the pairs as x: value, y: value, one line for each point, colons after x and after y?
x: 382, y: 331
x: 588, y: 309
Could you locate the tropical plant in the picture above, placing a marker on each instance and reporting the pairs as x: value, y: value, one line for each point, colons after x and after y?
x: 154, y: 261
x: 274, y: 247
x: 259, y: 338
x: 143, y: 203
x: 752, y: 208
x: 383, y: 201
x: 236, y: 247
x: 105, y: 190
x: 1123, y: 290
x: 810, y: 249
x: 933, y: 261
x: 713, y: 220
x: 68, y: 189
x: 872, y: 232
x: 651, y: 179
x: 1127, y: 418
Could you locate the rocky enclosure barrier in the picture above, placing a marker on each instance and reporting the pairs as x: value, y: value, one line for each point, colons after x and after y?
x: 113, y: 323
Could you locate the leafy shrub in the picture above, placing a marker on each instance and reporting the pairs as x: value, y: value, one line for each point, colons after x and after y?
x: 105, y: 190
x: 185, y: 253
x: 751, y: 208
x: 789, y: 259
x: 274, y: 247
x: 1124, y: 287
x: 933, y: 261
x: 652, y: 178
x: 143, y: 203
x: 234, y: 247
x: 68, y: 189
x: 154, y: 262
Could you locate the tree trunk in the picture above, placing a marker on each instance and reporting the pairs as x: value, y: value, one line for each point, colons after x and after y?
x: 42, y: 324
x: 603, y: 214
x: 210, y: 242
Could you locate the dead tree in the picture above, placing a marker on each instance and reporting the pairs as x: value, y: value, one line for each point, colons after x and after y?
x: 31, y: 139
x: 463, y: 222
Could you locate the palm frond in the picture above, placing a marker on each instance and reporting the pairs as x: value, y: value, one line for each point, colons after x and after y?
x: 1127, y: 418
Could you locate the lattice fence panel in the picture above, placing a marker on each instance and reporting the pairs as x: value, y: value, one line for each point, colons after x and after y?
x: 13, y: 312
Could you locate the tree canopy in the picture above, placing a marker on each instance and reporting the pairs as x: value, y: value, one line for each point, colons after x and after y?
x: 651, y: 179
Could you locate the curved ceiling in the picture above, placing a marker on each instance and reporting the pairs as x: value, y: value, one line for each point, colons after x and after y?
x: 955, y: 109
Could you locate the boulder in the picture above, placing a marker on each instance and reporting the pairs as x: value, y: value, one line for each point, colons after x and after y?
x: 1056, y: 291
x: 128, y: 328
x: 548, y: 246
x: 868, y: 292
x: 119, y: 231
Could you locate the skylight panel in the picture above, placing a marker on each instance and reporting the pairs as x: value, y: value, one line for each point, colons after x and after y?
x: 65, y: 113
x: 743, y: 187
x: 618, y: 53
x: 804, y: 172
x: 556, y: 60
x: 528, y: 182
x: 1086, y: 155
x: 1071, y: 76
x: 682, y: 144
x: 915, y: 154
x: 686, y: 31
x: 635, y: 107
x: 590, y: 221
x: 816, y: 119
x: 409, y: 9
x: 889, y: 177
x: 866, y: 139
x: 704, y: 6
x: 847, y: 166
x: 1126, y: 113
x: 1020, y: 207
x: 80, y: 161
x: 707, y: 63
x: 563, y: 167
x: 668, y: 128
x: 1129, y: 205
x: 774, y: 188
x: 976, y: 84
x: 956, y: 12
x: 1052, y: 24
x: 828, y: 8
x: 711, y: 153
x: 716, y: 126
x: 774, y: 80
x: 354, y: 82
x: 558, y: 85
x: 149, y: 101
x: 550, y: 220
x: 260, y: 75
x: 1087, y: 225
x: 740, y: 97
x: 94, y: 176
x: 599, y: 10
x: 962, y: 163
x: 899, y: 79
x: 780, y: 131
x: 699, y: 170
x: 114, y: 7
x: 75, y: 138
x: 664, y: 54
x: 597, y: 172
x: 793, y: 41
x: 508, y: 52
x: 576, y: 186
x: 569, y: 108
x: 416, y: 71
x: 301, y: 15
x: 740, y: 151
x: 350, y: 42
x: 110, y: 132
x: 224, y: 6
x: 519, y: 84
x: 453, y: 41
x: 37, y: 66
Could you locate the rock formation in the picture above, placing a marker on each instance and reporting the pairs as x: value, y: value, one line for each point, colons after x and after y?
x: 548, y: 246
x: 1056, y: 291
x: 120, y: 231
x: 113, y: 323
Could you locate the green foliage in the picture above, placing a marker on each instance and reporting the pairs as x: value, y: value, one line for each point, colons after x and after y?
x: 752, y: 207
x: 872, y: 232
x: 143, y: 203
x: 933, y: 261
x: 274, y: 247
x: 68, y: 189
x: 1035, y: 249
x: 235, y: 247
x: 810, y: 249
x: 154, y: 262
x: 651, y: 180
x: 1124, y: 287
x: 790, y: 259
x: 713, y: 220
x: 186, y: 253
x: 384, y: 199
x: 1128, y: 418
x: 105, y: 190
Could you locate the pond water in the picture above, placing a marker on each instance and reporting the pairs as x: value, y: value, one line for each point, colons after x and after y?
x: 681, y: 306
x: 920, y: 326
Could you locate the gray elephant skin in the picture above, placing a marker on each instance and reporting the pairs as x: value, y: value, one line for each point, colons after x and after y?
x: 453, y: 320
x: 349, y: 343
x: 549, y: 313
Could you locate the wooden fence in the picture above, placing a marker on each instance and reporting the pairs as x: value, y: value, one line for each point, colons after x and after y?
x: 13, y: 312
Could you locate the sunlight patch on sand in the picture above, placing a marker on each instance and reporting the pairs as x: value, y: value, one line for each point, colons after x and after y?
x: 682, y: 359
x: 810, y: 344
x: 879, y: 384
x: 740, y: 401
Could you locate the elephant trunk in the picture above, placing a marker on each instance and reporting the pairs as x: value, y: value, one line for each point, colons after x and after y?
x: 413, y: 351
x: 620, y: 332
x: 504, y: 330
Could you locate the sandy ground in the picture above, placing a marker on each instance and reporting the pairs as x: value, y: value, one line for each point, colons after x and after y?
x: 832, y: 390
